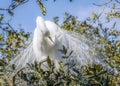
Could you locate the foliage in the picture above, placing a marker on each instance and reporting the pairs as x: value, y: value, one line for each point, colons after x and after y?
x: 110, y: 50
x: 11, y: 42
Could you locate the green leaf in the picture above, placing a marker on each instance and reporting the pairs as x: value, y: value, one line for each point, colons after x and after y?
x: 70, y: 53
x: 1, y: 37
x: 64, y: 50
x: 49, y: 61
x: 118, y: 43
x: 43, y: 9
x: 94, y: 16
x: 1, y: 17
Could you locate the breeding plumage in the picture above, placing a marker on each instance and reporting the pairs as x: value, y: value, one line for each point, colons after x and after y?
x: 48, y: 39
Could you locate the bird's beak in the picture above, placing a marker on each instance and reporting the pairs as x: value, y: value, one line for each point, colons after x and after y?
x: 51, y: 39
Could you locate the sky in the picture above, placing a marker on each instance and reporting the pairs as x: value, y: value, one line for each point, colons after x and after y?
x: 25, y: 15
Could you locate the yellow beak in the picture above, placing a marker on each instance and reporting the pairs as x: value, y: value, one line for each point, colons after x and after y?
x: 51, y: 39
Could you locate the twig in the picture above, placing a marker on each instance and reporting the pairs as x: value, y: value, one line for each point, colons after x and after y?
x: 103, y: 3
x: 101, y: 12
x: 117, y: 1
x: 8, y: 26
x: 98, y: 17
x: 15, y: 74
x: 4, y: 9
x: 17, y: 4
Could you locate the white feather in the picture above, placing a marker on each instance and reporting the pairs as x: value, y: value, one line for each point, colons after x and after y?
x: 42, y: 46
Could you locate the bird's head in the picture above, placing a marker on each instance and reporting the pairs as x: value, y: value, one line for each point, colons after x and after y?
x: 53, y: 29
x: 41, y: 27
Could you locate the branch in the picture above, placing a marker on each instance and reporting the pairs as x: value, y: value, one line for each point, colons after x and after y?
x: 4, y: 9
x: 8, y: 26
x: 117, y: 1
x: 16, y: 4
x: 103, y: 3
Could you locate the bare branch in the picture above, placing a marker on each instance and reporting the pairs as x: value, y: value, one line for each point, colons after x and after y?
x: 8, y: 26
x: 103, y: 3
x: 117, y: 1
x: 16, y: 4
x: 4, y: 9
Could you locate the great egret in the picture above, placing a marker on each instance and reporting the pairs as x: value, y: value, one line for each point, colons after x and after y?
x: 48, y: 39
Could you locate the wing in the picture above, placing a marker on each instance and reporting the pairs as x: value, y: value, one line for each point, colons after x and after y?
x: 30, y: 54
x: 24, y: 57
x: 83, y: 49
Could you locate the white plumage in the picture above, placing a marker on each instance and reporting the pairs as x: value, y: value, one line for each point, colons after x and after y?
x: 48, y: 39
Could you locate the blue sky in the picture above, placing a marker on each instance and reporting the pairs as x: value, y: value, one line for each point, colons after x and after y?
x: 25, y: 15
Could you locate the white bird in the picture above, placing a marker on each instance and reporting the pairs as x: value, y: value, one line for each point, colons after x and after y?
x: 82, y: 47
x: 48, y: 39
